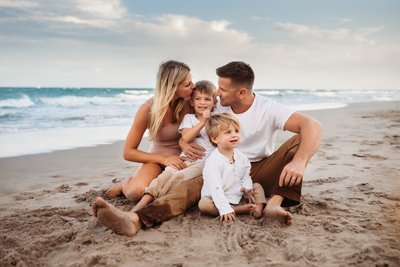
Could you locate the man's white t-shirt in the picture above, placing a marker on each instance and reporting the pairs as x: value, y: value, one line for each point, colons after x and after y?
x: 189, y: 121
x: 222, y: 180
x: 258, y: 126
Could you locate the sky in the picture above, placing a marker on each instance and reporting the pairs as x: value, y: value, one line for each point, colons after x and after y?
x: 303, y: 44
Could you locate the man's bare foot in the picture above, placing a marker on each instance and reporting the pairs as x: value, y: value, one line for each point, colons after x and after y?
x: 244, y: 209
x: 115, y: 190
x: 257, y: 211
x: 277, y: 212
x: 120, y: 222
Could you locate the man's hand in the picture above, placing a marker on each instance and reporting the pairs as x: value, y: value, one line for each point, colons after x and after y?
x: 248, y: 194
x: 292, y: 174
x: 192, y: 150
x: 227, y: 217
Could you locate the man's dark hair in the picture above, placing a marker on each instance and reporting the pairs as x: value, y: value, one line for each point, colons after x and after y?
x: 240, y: 73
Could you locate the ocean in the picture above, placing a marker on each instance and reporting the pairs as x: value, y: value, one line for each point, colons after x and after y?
x: 40, y: 120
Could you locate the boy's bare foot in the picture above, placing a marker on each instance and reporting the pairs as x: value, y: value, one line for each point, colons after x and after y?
x: 257, y: 211
x: 120, y: 222
x: 277, y: 212
x: 115, y: 190
x: 244, y: 209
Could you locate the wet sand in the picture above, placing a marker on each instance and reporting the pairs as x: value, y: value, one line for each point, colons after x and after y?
x: 349, y: 214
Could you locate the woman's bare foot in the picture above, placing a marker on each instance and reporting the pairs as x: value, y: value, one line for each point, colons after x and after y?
x: 277, y: 212
x: 143, y: 202
x: 257, y: 211
x: 115, y: 190
x: 120, y: 222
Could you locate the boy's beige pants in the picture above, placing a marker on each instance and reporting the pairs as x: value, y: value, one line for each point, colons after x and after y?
x: 206, y: 204
x: 162, y: 184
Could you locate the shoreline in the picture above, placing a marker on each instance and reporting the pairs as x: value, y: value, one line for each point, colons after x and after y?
x: 38, y: 141
x: 349, y: 212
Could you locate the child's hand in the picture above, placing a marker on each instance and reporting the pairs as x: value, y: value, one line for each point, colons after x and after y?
x: 249, y: 194
x: 228, y: 217
x: 206, y: 114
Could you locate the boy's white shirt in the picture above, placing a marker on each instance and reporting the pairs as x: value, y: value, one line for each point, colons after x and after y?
x: 189, y: 121
x: 258, y: 126
x: 223, y: 180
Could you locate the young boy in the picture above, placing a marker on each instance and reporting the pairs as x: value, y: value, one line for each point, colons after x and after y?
x: 226, y: 174
x: 192, y: 129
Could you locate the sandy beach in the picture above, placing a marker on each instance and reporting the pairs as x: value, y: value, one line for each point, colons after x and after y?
x: 349, y: 216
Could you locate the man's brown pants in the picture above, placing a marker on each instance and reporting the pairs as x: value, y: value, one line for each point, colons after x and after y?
x: 186, y: 194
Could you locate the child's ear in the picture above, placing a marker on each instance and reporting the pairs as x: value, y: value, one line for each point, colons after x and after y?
x: 214, y: 140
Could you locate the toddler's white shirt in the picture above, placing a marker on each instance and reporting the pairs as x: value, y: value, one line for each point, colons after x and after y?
x: 223, y: 180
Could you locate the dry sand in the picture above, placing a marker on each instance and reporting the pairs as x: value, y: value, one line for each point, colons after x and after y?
x: 350, y: 212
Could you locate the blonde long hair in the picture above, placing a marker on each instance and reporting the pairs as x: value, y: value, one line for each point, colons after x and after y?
x: 170, y: 75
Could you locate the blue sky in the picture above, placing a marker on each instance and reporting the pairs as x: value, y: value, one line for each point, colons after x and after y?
x: 316, y: 44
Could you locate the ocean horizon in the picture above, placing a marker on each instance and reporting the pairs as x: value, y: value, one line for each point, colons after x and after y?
x: 39, y: 120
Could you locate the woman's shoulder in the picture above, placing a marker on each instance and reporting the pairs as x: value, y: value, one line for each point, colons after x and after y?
x: 146, y: 106
x: 144, y: 109
x: 149, y: 102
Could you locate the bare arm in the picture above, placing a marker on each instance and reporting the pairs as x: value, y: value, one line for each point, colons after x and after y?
x: 135, y: 135
x: 310, y: 132
x: 186, y: 142
x: 190, y: 134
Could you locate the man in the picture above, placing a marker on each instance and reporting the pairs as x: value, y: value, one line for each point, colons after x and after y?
x: 280, y: 172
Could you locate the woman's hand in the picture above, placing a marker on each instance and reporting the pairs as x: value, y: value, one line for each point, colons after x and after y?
x: 175, y: 162
x: 192, y: 151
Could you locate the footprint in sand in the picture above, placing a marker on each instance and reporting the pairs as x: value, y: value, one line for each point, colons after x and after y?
x: 63, y: 188
x: 368, y: 156
x: 371, y: 143
x: 81, y: 184
x: 25, y: 196
x: 332, y: 158
x: 326, y: 180
x: 365, y: 188
x: 313, y: 206
x: 328, y: 192
x: 393, y: 139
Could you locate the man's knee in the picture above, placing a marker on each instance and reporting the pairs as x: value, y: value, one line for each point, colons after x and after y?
x: 293, y: 145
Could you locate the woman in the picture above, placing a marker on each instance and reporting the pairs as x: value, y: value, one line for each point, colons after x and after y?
x: 162, y: 115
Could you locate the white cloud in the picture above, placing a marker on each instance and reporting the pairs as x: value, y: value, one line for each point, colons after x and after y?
x: 186, y: 30
x: 257, y: 18
x: 106, y: 14
x: 107, y: 9
x: 343, y: 20
x: 17, y: 4
x: 127, y: 48
x: 312, y: 34
x: 220, y: 26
